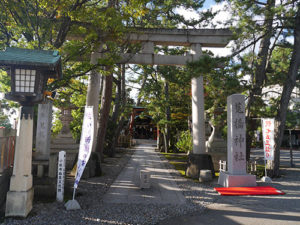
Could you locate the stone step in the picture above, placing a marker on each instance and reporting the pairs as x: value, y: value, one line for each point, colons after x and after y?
x: 63, y: 141
x: 68, y: 151
x: 64, y: 146
x: 70, y: 156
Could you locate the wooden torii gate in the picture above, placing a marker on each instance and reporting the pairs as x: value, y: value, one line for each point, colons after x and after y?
x: 195, y: 39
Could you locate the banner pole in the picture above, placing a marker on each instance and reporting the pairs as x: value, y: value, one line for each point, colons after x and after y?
x: 265, y: 168
x: 74, y: 190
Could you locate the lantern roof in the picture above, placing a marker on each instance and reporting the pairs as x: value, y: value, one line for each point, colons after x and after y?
x: 45, y: 59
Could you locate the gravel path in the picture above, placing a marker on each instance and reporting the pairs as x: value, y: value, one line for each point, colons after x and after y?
x: 94, y: 211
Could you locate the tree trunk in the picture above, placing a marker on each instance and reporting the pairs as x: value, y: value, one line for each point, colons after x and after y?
x: 286, y: 95
x: 166, y: 146
x: 118, y: 109
x: 260, y: 71
x: 116, y: 137
x: 117, y: 102
x: 104, y: 112
x: 168, y: 117
x: 92, y: 97
x: 138, y: 102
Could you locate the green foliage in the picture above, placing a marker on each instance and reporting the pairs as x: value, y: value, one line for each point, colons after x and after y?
x: 293, y: 117
x: 184, y: 144
x: 57, y: 124
x: 77, y: 99
x: 4, y: 116
x: 203, y: 66
x: 4, y: 121
x: 76, y: 124
x: 260, y: 171
x: 5, y: 81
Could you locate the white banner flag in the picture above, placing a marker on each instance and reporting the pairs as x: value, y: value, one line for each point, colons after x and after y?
x: 268, y: 126
x: 86, y: 142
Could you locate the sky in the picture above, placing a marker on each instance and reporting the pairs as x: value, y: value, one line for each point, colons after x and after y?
x: 221, y: 16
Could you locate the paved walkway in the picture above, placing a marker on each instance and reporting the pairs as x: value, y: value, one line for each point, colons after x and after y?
x: 164, y: 189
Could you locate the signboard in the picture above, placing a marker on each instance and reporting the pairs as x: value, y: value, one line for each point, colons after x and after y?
x: 61, y: 176
x: 268, y: 137
x: 86, y: 142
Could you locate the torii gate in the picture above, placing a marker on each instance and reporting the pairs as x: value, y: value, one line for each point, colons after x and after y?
x: 195, y: 39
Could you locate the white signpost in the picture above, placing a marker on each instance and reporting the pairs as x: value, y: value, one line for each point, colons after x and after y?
x: 268, y: 126
x: 61, y: 176
x: 85, y: 150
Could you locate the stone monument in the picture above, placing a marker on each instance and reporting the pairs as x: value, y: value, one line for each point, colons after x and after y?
x: 43, y: 134
x: 236, y: 175
x: 43, y: 164
x: 64, y: 140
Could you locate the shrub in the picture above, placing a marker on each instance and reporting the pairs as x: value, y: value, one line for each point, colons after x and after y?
x: 184, y: 144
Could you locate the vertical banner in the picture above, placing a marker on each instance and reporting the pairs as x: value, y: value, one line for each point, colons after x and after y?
x: 61, y: 176
x: 268, y: 126
x: 86, y: 142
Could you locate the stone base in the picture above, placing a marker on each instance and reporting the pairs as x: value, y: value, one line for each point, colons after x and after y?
x: 229, y: 180
x: 197, y: 162
x: 44, y: 188
x: 20, y: 183
x: 19, y: 203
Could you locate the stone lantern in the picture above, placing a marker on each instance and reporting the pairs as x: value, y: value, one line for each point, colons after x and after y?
x: 29, y: 71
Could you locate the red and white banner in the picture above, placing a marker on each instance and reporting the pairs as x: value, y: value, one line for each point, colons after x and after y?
x: 268, y: 126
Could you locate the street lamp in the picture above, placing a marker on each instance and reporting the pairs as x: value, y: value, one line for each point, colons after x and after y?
x: 29, y: 71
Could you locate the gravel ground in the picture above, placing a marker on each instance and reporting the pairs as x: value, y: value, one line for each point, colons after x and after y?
x: 91, y: 191
x: 94, y: 211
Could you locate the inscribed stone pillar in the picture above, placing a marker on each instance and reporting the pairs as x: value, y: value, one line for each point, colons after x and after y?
x: 236, y: 175
x: 20, y: 195
x: 43, y: 134
x: 236, y: 132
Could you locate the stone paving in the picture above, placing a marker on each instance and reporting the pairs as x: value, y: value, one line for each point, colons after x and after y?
x: 126, y: 188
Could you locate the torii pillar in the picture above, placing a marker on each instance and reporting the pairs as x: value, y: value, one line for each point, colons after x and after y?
x: 199, y: 159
